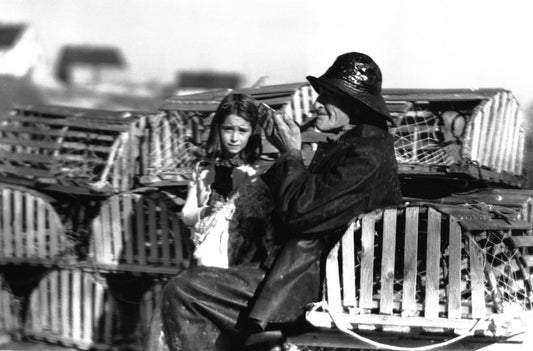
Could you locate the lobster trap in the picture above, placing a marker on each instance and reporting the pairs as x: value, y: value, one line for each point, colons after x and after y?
x: 473, y: 132
x: 423, y: 269
x: 31, y: 230
x: 73, y: 308
x: 140, y: 232
x: 85, y: 151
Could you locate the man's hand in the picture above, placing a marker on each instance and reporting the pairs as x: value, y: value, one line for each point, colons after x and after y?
x: 286, y: 134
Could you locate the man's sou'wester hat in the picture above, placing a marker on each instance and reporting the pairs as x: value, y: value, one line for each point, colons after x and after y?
x: 356, y: 75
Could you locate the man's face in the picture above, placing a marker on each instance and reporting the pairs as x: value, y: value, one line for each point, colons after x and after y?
x: 330, y: 115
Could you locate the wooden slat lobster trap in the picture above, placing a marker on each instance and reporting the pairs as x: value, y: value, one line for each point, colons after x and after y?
x: 73, y: 308
x: 31, y: 230
x: 83, y: 151
x: 424, y: 269
x: 476, y: 132
x: 140, y: 232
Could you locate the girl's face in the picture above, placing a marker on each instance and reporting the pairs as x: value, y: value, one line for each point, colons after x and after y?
x: 234, y: 134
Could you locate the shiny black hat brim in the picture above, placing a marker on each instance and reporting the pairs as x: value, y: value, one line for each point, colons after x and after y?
x: 338, y: 86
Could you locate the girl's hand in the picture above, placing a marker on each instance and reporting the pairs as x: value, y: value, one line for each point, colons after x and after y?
x: 204, y: 178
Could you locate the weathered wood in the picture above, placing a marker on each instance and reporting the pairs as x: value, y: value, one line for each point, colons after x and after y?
x: 367, y: 261
x: 78, y: 123
x: 349, y: 296
x: 141, y: 230
x: 135, y: 231
x: 387, y: 261
x: 410, y: 261
x: 454, y: 274
x: 164, y: 234
x: 128, y: 217
x: 477, y: 282
x: 431, y: 301
x: 334, y: 286
x: 54, y: 302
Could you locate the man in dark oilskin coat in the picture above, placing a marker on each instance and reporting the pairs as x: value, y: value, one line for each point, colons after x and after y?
x: 207, y: 308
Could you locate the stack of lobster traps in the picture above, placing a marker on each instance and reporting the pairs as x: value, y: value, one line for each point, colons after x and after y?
x: 82, y: 242
x: 90, y: 216
x: 452, y: 267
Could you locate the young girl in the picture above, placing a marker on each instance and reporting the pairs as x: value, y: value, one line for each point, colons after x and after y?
x: 228, y: 207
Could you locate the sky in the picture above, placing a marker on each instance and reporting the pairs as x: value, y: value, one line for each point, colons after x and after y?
x: 417, y: 43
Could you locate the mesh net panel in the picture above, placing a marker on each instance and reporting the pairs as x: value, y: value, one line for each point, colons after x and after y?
x: 174, y: 147
x: 426, y: 137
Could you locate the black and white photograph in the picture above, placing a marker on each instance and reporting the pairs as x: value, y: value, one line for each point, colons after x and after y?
x: 266, y: 175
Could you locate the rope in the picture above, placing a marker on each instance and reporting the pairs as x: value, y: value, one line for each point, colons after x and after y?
x: 345, y: 328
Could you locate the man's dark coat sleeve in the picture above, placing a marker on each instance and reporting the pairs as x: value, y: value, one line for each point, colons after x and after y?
x: 315, y: 205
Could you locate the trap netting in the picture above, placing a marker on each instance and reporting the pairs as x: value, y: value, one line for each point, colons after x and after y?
x: 427, y: 137
x: 488, y: 254
x: 174, y: 144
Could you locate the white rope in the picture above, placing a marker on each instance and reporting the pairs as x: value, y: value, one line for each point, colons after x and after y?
x: 345, y: 328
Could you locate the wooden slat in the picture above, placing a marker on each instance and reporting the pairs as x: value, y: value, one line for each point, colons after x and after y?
x: 141, y: 230
x: 87, y: 308
x: 66, y: 308
x: 410, y: 262
x: 367, y: 261
x: 454, y: 273
x: 35, y: 304
x: 163, y: 221
x: 117, y: 230
x: 18, y: 234
x: 431, y: 303
x: 31, y: 132
x: 26, y: 171
x: 333, y: 281
x: 99, y: 307
x: 485, y: 114
x: 178, y: 240
x: 44, y: 304
x: 417, y: 322
x: 31, y: 245
x: 387, y: 261
x: 127, y: 203
x: 99, y: 241
x: 108, y: 319
x: 477, y: 279
x: 53, y: 232
x: 152, y: 231
x: 52, y: 145
x: 76, y: 123
x: 107, y: 250
x: 42, y: 158
x: 7, y: 232
x: 41, y: 224
x: 522, y: 241
x: 76, y: 296
x: 54, y: 302
x: 349, y: 296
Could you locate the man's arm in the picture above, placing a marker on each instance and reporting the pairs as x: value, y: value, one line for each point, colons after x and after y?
x: 312, y: 204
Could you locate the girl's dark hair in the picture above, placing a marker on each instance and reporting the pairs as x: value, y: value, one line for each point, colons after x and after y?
x: 243, y: 106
